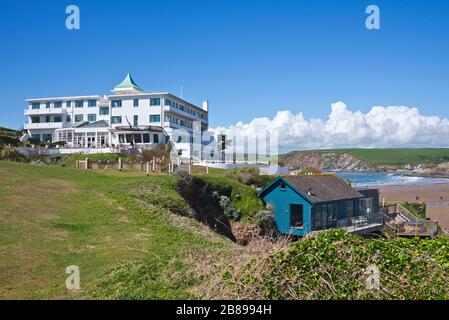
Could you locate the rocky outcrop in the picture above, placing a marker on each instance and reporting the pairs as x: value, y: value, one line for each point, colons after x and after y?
x: 325, y: 161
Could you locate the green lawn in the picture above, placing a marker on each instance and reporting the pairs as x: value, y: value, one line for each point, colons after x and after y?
x: 53, y: 217
x: 396, y: 156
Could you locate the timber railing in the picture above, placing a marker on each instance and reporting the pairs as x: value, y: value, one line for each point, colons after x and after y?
x: 411, y: 225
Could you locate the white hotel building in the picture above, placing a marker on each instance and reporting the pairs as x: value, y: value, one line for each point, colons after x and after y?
x: 127, y: 118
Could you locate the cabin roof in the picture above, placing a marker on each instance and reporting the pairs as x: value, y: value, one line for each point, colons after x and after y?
x: 323, y: 188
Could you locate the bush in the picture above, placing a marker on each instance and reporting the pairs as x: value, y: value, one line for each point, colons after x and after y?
x: 4, y: 141
x: 11, y: 154
x: 249, y: 176
x: 243, y: 197
x: 265, y: 219
x: 226, y: 204
x: 333, y: 265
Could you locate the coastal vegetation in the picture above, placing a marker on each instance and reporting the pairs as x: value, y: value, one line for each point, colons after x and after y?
x: 139, y: 237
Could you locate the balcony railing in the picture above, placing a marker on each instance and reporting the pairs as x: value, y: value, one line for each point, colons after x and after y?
x: 33, y: 112
x: 367, y: 221
x: 43, y: 125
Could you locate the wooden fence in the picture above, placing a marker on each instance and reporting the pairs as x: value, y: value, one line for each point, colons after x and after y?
x: 154, y: 166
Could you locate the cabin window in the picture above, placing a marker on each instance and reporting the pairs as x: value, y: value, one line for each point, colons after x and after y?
x: 283, y: 186
x: 296, y: 217
x: 316, y: 219
x: 325, y: 216
x: 349, y: 209
x: 366, y: 206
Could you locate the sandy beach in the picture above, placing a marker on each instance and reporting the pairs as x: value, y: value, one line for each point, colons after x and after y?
x: 437, y: 208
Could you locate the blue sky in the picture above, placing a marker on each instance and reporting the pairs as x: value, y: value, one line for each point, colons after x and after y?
x: 248, y: 58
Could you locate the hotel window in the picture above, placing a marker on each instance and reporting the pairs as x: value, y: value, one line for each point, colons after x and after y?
x: 91, y: 117
x: 136, y: 120
x: 136, y: 103
x: 35, y: 120
x: 146, y: 138
x: 92, y: 103
x: 47, y: 119
x: 138, y: 138
x: 117, y: 119
x: 78, y: 117
x: 155, y: 138
x: 155, y: 118
x: 68, y: 118
x: 79, y: 103
x: 168, y: 103
x: 46, y: 137
x: 155, y: 101
x: 104, y: 111
x: 36, y: 136
x: 121, y: 138
x: 68, y: 104
x: 47, y: 105
x: 116, y: 104
x: 57, y: 119
x: 35, y: 105
x: 58, y: 104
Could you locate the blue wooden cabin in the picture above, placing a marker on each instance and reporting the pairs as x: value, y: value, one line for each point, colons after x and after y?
x: 304, y: 204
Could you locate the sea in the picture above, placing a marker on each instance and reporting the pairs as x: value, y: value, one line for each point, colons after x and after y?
x: 362, y: 179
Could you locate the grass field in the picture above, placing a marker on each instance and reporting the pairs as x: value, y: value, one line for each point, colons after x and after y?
x: 395, y: 156
x: 52, y: 217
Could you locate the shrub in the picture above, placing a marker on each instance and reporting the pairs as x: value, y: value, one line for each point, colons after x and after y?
x: 11, y: 154
x: 265, y: 219
x: 333, y: 265
x: 226, y: 204
x: 249, y: 176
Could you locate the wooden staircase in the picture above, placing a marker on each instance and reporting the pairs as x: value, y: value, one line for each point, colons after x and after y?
x: 406, y: 224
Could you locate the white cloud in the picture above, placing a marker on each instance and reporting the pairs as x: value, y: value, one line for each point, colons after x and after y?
x: 380, y: 127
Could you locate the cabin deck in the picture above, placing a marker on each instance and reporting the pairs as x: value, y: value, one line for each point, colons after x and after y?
x: 367, y: 223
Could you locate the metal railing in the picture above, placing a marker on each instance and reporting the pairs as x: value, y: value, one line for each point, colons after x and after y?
x: 361, y: 222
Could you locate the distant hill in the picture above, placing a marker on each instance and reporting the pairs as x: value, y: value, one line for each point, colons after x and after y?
x: 365, y: 159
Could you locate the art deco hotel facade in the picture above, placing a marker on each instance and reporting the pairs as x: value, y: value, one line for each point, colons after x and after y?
x: 127, y: 117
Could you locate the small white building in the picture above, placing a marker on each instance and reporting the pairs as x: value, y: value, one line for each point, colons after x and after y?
x: 127, y: 118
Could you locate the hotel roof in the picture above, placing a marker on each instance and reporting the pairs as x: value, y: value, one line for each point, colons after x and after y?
x: 127, y: 83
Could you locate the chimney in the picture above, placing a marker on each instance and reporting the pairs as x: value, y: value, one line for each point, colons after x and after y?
x: 309, y: 191
x: 206, y: 105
